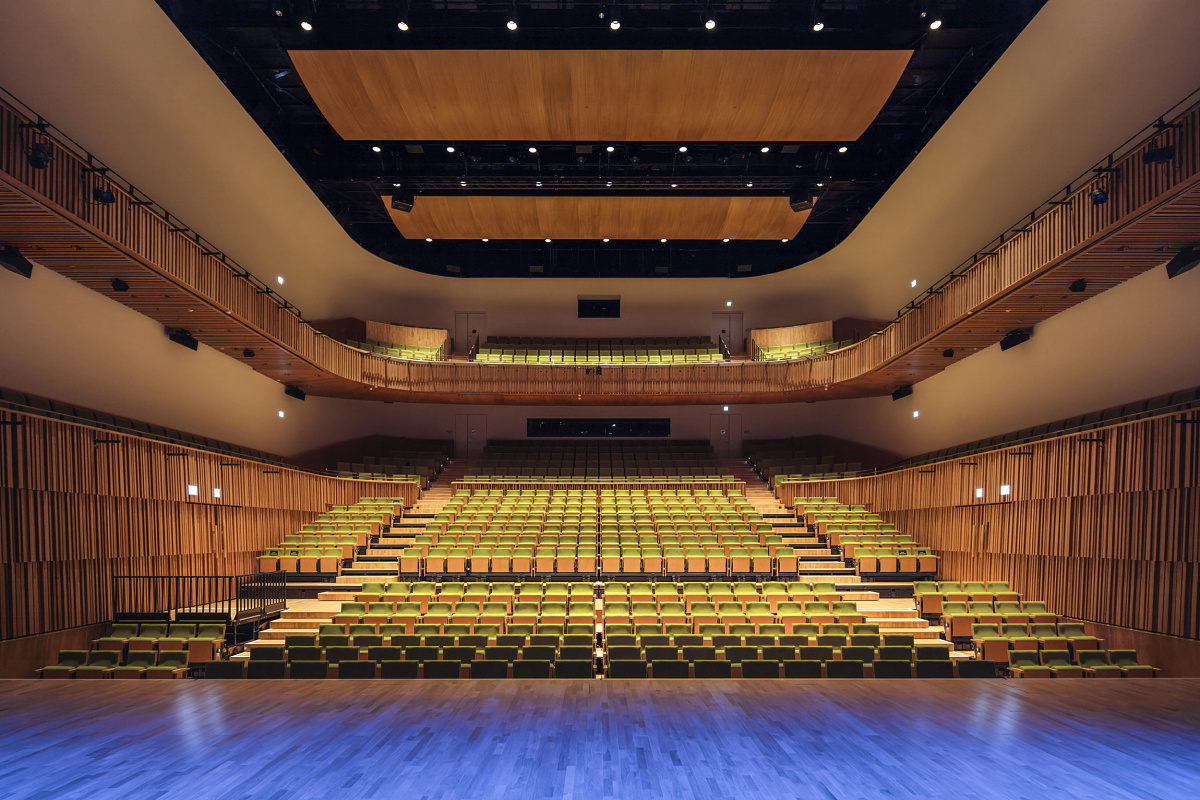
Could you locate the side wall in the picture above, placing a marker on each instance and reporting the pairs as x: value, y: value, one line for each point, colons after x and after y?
x: 1103, y: 525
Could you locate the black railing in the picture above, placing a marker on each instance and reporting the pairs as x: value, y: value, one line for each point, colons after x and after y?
x: 239, y: 597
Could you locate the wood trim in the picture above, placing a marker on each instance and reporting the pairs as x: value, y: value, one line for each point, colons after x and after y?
x: 600, y: 95
x: 76, y: 512
x: 1104, y: 531
x: 792, y: 334
x: 405, y: 335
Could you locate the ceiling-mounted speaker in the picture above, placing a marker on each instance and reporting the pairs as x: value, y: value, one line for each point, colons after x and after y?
x: 12, y: 260
x: 1078, y: 286
x: 293, y: 391
x: 903, y: 391
x: 1187, y: 258
x: 1016, y: 337
x: 403, y: 202
x: 182, y: 337
x: 119, y: 285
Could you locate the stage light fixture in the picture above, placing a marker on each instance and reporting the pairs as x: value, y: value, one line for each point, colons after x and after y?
x: 664, y: 241
x: 103, y: 195
x: 1015, y: 337
x: 1159, y: 155
x: 547, y: 241
x: 293, y: 391
x: 402, y: 25
x: 609, y: 149
x: 306, y: 25
x: 615, y: 25
x: 604, y: 240
x: 933, y: 26
x: 533, y: 149
x: 39, y: 155
x: 12, y: 260
x: 728, y: 303
x: 903, y: 391
x: 428, y: 239
x: 119, y: 285
x: 449, y: 149
x: 1078, y: 286
x: 710, y: 23
x: 683, y: 148
x: 281, y: 414
x: 843, y: 149
x: 818, y: 26
x: 1005, y: 490
x: 511, y: 24
x: 614, y: 17
x: 1186, y: 259
x: 1099, y: 195
x: 376, y: 148
x: 979, y: 494
x: 764, y: 149
x: 784, y: 241
x: 181, y: 337
x: 725, y: 240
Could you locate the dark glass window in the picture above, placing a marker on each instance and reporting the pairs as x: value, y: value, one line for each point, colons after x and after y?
x: 596, y: 428
x: 600, y: 308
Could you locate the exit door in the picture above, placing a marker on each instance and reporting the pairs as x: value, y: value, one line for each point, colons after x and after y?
x: 725, y: 435
x: 728, y: 326
x: 470, y: 435
x: 470, y: 327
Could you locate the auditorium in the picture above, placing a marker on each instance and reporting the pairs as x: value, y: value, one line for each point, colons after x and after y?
x: 615, y: 398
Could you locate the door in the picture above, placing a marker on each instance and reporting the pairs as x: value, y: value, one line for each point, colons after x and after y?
x: 470, y: 435
x: 469, y: 328
x: 727, y: 325
x: 725, y: 434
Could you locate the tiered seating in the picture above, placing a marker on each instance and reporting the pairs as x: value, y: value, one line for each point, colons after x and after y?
x: 586, y: 532
x: 142, y: 649
x: 876, y: 547
x: 321, y: 546
x: 526, y: 651
x: 424, y: 465
x: 393, y: 350
x: 782, y: 352
x: 541, y: 350
x: 609, y: 461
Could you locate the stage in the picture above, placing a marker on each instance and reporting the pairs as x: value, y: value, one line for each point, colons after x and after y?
x: 748, y: 740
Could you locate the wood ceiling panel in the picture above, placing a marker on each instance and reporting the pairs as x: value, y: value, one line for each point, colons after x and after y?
x: 600, y: 95
x: 563, y: 217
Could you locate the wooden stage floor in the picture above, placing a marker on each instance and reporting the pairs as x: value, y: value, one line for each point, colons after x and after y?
x: 748, y: 740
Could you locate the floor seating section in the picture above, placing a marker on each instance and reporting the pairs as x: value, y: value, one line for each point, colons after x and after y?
x: 627, y: 462
x: 591, y: 532
x: 783, y: 352
x: 142, y: 649
x: 393, y: 350
x: 536, y: 350
x: 772, y: 461
x: 322, y: 546
x: 875, y: 547
x: 424, y: 465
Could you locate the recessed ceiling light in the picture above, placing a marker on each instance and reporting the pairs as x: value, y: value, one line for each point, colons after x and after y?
x: 376, y: 149
x: 511, y: 24
x: 674, y: 185
x: 485, y: 240
x: 749, y: 184
x: 462, y: 183
x: 615, y: 24
x: 933, y: 26
x: 710, y: 23
x: 610, y: 148
x: 783, y: 240
x: 608, y: 184
x: 765, y: 150
x: 193, y: 490
x: 547, y: 241
x: 449, y: 149
x: 402, y: 25
x: 843, y: 149
x: 820, y: 184
x: 533, y: 149
x: 663, y: 241
x: 428, y: 239
x: 683, y: 148
x: 724, y: 240
x: 606, y: 240
x: 818, y: 26
x: 396, y: 185
x: 539, y: 183
x: 306, y: 25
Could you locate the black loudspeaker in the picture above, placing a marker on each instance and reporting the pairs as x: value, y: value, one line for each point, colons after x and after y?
x: 801, y: 202
x: 13, y: 261
x: 180, y: 336
x: 1016, y: 337
x: 1078, y: 286
x: 292, y: 391
x: 1187, y: 258
x: 903, y: 391
x: 403, y: 202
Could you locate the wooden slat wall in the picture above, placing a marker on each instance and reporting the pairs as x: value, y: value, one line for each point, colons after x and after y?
x: 75, y: 511
x: 405, y: 335
x: 811, y: 332
x: 1107, y: 531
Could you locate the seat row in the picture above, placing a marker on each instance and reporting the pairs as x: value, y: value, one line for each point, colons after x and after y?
x: 960, y: 619
x: 85, y: 664
x: 402, y: 670
x: 997, y: 641
x: 708, y: 562
x: 1090, y: 664
x: 394, y: 350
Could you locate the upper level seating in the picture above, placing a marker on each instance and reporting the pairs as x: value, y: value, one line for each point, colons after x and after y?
x: 782, y: 352
x: 393, y: 350
x: 424, y: 465
x: 609, y: 460
x: 541, y: 350
x: 779, y: 464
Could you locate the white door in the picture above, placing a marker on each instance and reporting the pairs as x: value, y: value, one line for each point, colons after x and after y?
x: 470, y: 435
x: 728, y: 326
x: 725, y: 434
x: 469, y: 327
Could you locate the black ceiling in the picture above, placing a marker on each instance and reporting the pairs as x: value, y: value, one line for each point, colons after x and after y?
x: 246, y: 43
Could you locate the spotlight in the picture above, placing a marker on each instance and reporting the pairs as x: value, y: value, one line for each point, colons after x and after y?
x: 664, y: 241
x: 533, y: 149
x: 119, y: 285
x: 725, y: 240
x: 12, y: 260
x: 247, y: 353
x: 402, y: 25
x: 279, y: 279
x: 547, y: 241
x: 1185, y: 260
x: 903, y: 391
x: 103, y: 195
x: 306, y: 25
x: 764, y: 150
x: 710, y: 23
x: 449, y: 148
x: 818, y: 26
x: 180, y: 336
x: 39, y: 155
x: 784, y: 241
x: 403, y: 202
x: 614, y: 17
x: 751, y: 183
x: 292, y: 391
x: 1078, y: 286
x: 428, y: 239
x: 1099, y: 195
x: 683, y: 148
x: 728, y: 303
x: 1159, y: 155
x: 933, y: 26
x: 615, y: 25
x: 1015, y: 337
x: 609, y: 149
x: 948, y: 352
x: 511, y: 24
x: 605, y: 240
x: 537, y: 183
x: 843, y: 149
x: 376, y: 149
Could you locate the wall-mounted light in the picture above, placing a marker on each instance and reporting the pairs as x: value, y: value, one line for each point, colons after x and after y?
x: 193, y: 490
x: 979, y: 494
x: 217, y: 493
x: 1005, y: 490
